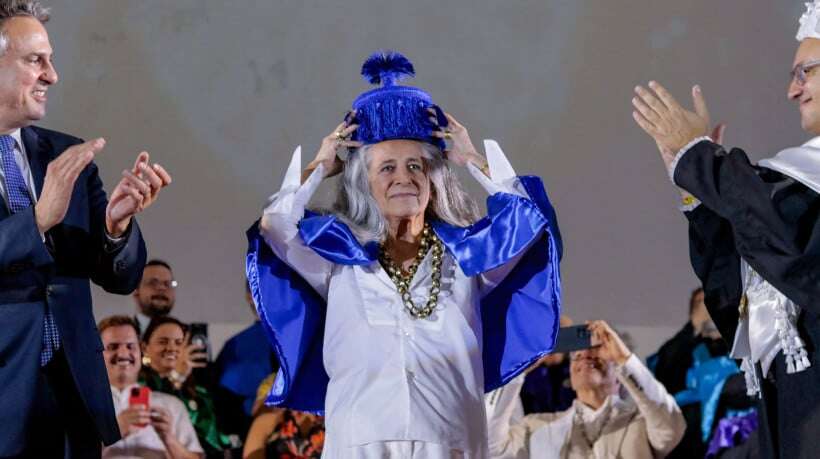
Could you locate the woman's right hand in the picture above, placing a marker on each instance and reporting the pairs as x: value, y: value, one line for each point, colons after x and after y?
x: 327, y: 154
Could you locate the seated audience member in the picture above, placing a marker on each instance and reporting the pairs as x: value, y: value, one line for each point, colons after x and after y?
x: 675, y: 357
x: 546, y: 387
x: 245, y: 360
x: 163, y: 344
x: 699, y: 351
x: 160, y: 429
x: 279, y: 433
x: 645, y: 424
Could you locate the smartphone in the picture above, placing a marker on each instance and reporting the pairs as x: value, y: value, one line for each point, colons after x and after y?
x: 199, y: 335
x: 573, y: 338
x: 140, y: 396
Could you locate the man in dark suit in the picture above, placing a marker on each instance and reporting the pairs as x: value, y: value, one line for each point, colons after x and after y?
x: 754, y: 237
x: 57, y: 231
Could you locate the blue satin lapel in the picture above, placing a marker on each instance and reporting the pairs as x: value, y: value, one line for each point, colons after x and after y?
x: 37, y: 157
x: 511, y: 224
x: 334, y: 241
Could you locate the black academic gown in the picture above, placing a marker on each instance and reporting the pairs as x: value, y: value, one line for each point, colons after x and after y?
x: 772, y: 222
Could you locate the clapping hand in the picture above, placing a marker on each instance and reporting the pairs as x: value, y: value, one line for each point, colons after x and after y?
x: 136, y: 191
x: 666, y: 121
x: 61, y: 175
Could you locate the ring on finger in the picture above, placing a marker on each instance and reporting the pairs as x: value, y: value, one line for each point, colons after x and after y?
x: 448, y: 135
x: 339, y: 135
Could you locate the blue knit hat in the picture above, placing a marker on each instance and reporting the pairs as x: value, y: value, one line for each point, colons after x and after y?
x: 391, y: 111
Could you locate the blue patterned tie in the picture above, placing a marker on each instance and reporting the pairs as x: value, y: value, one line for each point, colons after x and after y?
x: 19, y: 199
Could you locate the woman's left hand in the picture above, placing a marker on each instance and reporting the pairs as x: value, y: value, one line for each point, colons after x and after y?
x: 461, y: 149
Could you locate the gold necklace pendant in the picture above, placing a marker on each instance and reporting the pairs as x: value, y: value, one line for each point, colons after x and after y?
x: 402, y: 281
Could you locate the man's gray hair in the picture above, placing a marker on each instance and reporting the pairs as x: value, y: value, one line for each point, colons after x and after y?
x: 357, y: 207
x: 20, y: 8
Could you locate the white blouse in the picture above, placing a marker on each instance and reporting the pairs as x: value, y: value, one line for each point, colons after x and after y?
x: 393, y: 377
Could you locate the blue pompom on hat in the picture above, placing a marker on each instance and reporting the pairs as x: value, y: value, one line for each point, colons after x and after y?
x: 392, y: 111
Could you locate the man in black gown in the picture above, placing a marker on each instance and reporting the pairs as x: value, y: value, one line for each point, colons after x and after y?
x: 754, y: 237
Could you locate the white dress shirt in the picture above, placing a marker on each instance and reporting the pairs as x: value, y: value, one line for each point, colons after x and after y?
x: 145, y: 443
x: 393, y: 377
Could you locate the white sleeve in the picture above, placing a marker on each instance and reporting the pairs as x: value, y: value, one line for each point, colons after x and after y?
x: 507, y: 437
x: 665, y: 424
x: 183, y: 429
x: 279, y: 225
x: 502, y: 179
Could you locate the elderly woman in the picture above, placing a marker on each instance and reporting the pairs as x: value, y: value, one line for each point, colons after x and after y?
x: 398, y: 309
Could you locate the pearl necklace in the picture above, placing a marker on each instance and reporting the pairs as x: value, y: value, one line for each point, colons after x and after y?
x: 402, y: 281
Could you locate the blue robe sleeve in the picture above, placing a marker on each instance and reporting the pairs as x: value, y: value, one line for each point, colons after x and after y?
x: 293, y: 315
x: 520, y: 316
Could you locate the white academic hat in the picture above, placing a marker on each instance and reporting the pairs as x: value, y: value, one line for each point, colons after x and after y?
x: 810, y: 22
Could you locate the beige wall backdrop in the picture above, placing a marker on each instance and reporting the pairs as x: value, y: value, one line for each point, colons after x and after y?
x: 221, y: 92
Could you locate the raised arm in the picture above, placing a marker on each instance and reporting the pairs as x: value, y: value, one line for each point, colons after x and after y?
x: 507, y: 438
x: 497, y: 176
x: 279, y: 224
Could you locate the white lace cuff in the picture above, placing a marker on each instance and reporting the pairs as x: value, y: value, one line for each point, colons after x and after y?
x: 682, y: 152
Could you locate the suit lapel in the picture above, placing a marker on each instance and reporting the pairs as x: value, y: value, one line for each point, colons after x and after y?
x: 37, y: 157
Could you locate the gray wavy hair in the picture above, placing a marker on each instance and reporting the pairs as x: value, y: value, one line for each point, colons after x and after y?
x: 20, y: 8
x: 356, y: 206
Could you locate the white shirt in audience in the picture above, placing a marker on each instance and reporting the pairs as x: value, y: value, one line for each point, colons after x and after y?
x: 145, y: 443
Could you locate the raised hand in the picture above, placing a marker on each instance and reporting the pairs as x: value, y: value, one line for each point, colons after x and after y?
x: 666, y: 121
x: 135, y: 192
x: 61, y: 174
x: 327, y: 154
x: 610, y: 346
x: 462, y: 150
x: 193, y: 355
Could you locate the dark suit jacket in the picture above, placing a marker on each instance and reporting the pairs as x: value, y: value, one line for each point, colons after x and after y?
x: 773, y: 222
x: 56, y: 272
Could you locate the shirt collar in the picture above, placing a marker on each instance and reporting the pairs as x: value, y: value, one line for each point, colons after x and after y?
x: 589, y: 414
x: 124, y: 393
x: 15, y: 134
x: 815, y: 142
x: 143, y: 321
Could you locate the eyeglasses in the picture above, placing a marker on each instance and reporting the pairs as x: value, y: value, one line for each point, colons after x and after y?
x: 156, y: 283
x: 800, y: 73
